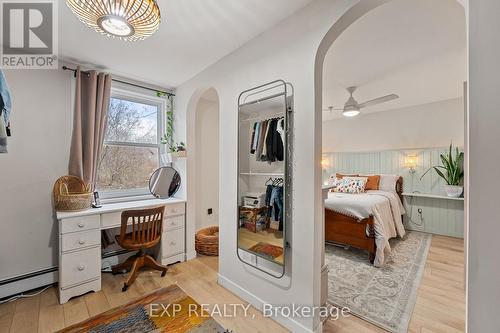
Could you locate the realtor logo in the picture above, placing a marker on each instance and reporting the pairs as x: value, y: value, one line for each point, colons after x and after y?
x: 29, y: 34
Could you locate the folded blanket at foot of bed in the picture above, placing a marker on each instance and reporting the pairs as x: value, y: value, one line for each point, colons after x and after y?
x: 386, y: 209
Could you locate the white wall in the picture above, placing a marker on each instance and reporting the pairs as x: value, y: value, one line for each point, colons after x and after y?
x: 423, y: 126
x: 38, y: 155
x: 207, y: 163
x: 484, y: 138
x: 281, y: 53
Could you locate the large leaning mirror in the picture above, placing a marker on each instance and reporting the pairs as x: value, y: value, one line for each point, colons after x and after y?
x: 264, y: 147
x: 164, y: 182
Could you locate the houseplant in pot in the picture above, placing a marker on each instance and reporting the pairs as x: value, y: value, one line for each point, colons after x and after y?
x: 451, y: 171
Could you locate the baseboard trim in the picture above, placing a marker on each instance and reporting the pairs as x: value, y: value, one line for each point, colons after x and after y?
x: 44, y: 277
x: 258, y: 303
x: 22, y: 283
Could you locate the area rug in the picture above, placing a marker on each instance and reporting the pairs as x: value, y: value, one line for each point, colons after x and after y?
x: 267, y: 250
x: 166, y: 310
x: 383, y: 296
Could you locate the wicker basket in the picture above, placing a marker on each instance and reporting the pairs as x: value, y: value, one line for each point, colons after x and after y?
x: 72, y: 194
x: 207, y: 241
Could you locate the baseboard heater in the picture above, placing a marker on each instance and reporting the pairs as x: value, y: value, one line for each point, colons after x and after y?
x: 45, y: 277
x: 27, y: 282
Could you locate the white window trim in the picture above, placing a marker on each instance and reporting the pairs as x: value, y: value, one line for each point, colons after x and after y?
x: 134, y: 96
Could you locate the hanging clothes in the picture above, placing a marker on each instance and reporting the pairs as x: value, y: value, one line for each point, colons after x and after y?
x: 3, y: 134
x: 260, y: 146
x: 267, y: 140
x: 270, y: 141
x: 278, y: 146
x: 5, y: 110
x: 274, y: 200
x: 253, y: 138
x: 263, y: 157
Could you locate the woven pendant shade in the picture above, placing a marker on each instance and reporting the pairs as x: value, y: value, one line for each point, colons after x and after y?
x: 125, y: 19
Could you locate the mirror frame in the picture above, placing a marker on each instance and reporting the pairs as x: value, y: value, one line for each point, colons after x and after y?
x: 151, y: 177
x: 287, y: 184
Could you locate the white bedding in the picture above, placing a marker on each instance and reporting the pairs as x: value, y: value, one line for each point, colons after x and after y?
x: 386, y: 209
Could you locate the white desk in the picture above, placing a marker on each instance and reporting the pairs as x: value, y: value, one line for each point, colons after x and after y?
x: 80, y: 242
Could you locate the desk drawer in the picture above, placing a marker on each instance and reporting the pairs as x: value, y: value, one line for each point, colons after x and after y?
x: 172, y: 242
x: 111, y: 220
x: 79, y: 267
x: 175, y: 209
x: 80, y: 223
x: 78, y: 240
x: 173, y: 222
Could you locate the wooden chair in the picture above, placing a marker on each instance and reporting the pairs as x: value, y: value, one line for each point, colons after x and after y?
x: 144, y: 233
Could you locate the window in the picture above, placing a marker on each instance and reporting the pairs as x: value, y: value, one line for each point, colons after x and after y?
x: 131, y: 150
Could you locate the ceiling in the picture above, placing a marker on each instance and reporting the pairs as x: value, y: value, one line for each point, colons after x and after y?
x: 193, y: 35
x: 416, y: 49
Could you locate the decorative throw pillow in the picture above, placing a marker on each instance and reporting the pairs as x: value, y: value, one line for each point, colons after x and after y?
x: 334, y: 181
x: 353, y: 185
x: 372, y: 183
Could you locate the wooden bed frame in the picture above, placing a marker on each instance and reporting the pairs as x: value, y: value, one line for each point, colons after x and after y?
x: 348, y: 231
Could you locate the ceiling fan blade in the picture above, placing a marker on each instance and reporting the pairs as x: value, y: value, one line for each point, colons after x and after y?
x: 329, y: 110
x: 379, y: 100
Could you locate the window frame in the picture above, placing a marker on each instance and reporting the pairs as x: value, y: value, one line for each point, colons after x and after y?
x: 143, y: 98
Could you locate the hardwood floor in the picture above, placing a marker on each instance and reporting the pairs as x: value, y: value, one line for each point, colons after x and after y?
x: 439, y: 308
x: 247, y: 239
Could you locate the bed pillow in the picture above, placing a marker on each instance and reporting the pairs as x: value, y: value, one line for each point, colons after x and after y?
x: 354, y: 185
x: 372, y: 183
x: 334, y: 182
x: 340, y: 175
x: 388, y: 183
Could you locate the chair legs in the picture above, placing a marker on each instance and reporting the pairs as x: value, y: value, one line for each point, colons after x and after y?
x: 134, y: 263
x: 124, y: 266
x: 150, y: 262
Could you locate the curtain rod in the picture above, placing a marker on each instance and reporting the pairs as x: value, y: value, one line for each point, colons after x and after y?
x: 124, y: 82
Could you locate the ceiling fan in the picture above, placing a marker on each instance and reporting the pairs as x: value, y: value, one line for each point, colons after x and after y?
x: 352, y: 107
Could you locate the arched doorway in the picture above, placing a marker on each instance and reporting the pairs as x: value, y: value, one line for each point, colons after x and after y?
x: 347, y: 20
x: 202, y: 164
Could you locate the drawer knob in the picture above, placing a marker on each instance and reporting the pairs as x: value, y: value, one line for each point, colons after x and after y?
x: 173, y: 243
x: 81, y: 267
x: 81, y: 242
x: 174, y: 210
x: 81, y: 225
x: 172, y: 223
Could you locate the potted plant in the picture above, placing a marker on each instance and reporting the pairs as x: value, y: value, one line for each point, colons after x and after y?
x: 181, y: 149
x: 168, y: 138
x: 451, y: 171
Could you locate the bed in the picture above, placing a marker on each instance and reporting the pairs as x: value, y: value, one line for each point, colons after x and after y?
x: 365, y: 221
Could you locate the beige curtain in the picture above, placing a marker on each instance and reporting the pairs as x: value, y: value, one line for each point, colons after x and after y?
x: 89, y: 125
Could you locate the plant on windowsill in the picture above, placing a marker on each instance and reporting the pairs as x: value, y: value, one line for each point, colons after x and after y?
x: 451, y: 171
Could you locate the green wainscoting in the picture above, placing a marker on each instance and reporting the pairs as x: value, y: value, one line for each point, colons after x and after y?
x: 440, y: 215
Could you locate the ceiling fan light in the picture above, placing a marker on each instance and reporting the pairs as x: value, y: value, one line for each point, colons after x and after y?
x: 350, y: 113
x: 128, y: 20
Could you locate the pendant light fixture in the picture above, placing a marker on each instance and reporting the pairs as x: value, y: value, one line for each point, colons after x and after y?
x: 129, y: 20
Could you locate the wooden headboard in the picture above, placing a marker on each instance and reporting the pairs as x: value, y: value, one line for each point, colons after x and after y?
x: 399, y: 188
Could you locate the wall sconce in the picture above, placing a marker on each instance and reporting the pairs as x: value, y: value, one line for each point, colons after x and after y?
x: 324, y: 163
x: 411, y: 163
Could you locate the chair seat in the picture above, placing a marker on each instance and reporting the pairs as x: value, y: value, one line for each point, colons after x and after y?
x: 129, y: 244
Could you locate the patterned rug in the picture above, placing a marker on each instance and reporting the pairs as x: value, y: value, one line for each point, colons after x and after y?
x: 166, y: 310
x: 267, y: 250
x: 383, y: 296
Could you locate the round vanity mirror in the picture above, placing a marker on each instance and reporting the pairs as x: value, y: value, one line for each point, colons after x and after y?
x: 164, y: 182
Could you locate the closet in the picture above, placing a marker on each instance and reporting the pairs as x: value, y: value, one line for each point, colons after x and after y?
x: 264, y: 175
